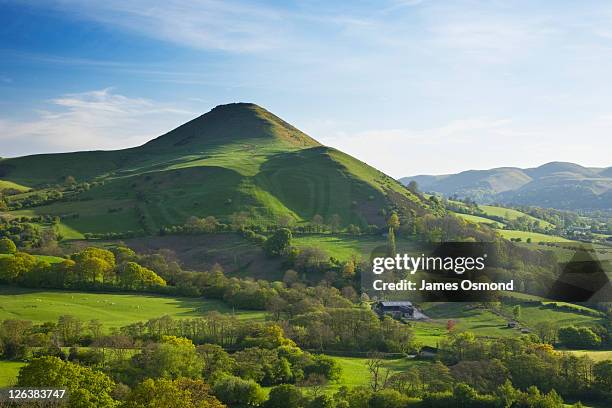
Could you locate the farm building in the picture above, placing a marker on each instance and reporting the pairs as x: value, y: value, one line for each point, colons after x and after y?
x: 428, y: 352
x: 401, y: 310
x: 397, y: 309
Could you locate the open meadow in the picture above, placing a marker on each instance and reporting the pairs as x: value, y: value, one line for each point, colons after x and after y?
x: 534, y: 236
x: 112, y: 309
x: 8, y: 372
x: 512, y: 214
x: 481, y: 220
x: 355, y: 370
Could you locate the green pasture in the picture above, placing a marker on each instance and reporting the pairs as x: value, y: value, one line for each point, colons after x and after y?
x: 355, y: 370
x: 485, y: 323
x: 481, y: 220
x: 112, y: 309
x: 596, y: 355
x: 48, y: 258
x: 345, y: 246
x: 531, y: 315
x: 511, y: 214
x: 535, y: 236
x: 467, y: 317
x: 8, y: 372
x: 6, y: 185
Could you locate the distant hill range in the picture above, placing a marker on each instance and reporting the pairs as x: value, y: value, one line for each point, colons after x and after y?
x: 556, y: 185
x: 237, y: 159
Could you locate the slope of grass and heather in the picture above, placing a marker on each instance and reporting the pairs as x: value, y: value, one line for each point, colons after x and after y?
x: 237, y: 255
x: 112, y: 309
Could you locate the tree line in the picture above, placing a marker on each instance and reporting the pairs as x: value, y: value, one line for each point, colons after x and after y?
x: 137, y: 366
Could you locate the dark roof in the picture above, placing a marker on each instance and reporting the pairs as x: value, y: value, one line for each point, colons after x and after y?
x: 386, y: 303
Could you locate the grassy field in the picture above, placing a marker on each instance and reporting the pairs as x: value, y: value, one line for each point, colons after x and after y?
x: 113, y: 310
x: 566, y: 251
x: 531, y: 315
x: 481, y: 220
x: 355, y: 371
x: 535, y: 236
x: 67, y: 232
x: 485, y: 323
x: 511, y: 214
x: 597, y: 355
x: 481, y: 322
x: 527, y: 297
x: 429, y: 333
x: 6, y: 185
x: 8, y: 372
x: 345, y: 246
x: 50, y: 259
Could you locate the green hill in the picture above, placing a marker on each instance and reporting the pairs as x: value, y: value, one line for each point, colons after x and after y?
x: 235, y: 158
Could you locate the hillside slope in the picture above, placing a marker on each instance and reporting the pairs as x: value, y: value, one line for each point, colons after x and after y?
x: 556, y: 185
x: 237, y: 158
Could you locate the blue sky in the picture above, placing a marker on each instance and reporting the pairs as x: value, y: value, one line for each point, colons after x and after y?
x: 409, y: 86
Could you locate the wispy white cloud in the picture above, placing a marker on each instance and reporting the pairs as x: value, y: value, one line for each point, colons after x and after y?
x: 205, y: 24
x: 100, y: 119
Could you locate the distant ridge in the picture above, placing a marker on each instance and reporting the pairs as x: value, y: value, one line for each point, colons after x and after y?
x: 560, y: 185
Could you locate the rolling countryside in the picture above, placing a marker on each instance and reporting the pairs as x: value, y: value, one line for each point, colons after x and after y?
x: 235, y: 230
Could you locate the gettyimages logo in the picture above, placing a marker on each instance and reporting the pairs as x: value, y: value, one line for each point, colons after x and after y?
x: 444, y: 272
x: 470, y: 271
